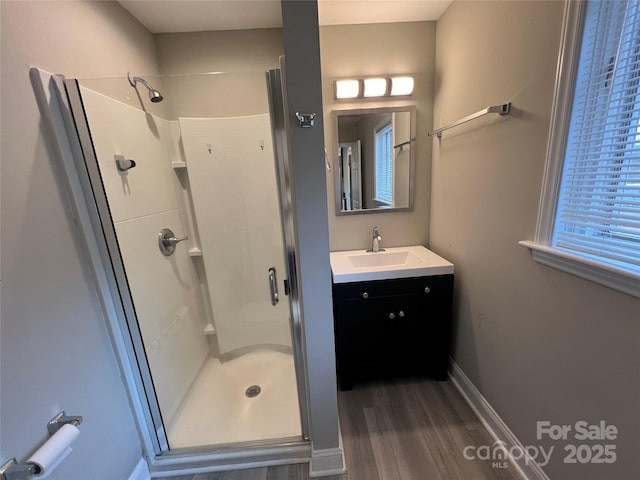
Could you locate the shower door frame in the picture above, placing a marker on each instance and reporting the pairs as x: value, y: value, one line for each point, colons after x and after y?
x: 89, y: 206
x: 276, y: 87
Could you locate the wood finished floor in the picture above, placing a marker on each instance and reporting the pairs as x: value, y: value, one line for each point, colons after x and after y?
x: 398, y: 430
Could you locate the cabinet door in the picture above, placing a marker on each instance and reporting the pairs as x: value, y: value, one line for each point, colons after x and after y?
x: 361, y: 330
x: 359, y: 333
x: 384, y: 329
x: 409, y: 327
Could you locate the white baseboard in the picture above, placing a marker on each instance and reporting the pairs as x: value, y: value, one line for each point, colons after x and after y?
x: 141, y: 471
x: 329, y: 461
x: 326, y: 462
x: 496, y: 427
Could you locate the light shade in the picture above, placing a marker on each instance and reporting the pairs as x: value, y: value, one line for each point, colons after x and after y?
x: 375, y: 87
x: 401, y: 85
x: 347, y: 88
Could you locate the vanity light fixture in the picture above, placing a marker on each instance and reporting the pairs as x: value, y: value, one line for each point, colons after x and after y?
x: 374, y: 87
x: 401, y: 86
x: 347, y: 89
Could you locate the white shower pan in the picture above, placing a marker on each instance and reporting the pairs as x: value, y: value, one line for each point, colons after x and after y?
x: 211, y: 415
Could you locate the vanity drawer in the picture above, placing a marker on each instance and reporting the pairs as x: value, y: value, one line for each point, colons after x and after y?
x: 436, y: 285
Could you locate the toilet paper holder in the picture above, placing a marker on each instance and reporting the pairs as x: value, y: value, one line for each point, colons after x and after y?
x: 12, y: 470
x: 61, y: 419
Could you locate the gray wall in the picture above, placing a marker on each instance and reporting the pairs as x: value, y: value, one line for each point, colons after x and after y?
x: 219, y: 51
x: 301, y: 40
x: 349, y: 51
x: 540, y: 344
x: 55, y: 350
x: 240, y: 53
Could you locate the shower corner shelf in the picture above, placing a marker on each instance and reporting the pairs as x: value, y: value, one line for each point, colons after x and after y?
x: 209, y: 329
x: 195, y: 252
x: 178, y: 165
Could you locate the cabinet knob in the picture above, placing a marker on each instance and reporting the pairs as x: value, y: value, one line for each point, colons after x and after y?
x: 401, y: 314
x: 365, y: 295
x: 427, y: 289
x: 392, y: 315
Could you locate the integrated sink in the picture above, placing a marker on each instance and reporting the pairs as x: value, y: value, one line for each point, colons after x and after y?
x: 396, y: 262
x: 380, y: 259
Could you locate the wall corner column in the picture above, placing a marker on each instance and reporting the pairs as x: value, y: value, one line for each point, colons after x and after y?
x: 304, y: 94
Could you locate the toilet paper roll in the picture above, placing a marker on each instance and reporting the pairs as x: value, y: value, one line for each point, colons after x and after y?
x: 56, y: 449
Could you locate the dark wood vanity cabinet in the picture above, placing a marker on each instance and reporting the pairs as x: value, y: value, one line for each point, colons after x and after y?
x: 392, y: 327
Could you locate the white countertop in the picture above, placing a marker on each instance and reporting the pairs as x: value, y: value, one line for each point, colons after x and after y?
x: 394, y: 262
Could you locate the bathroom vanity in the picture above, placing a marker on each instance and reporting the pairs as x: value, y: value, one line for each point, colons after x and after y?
x: 392, y: 313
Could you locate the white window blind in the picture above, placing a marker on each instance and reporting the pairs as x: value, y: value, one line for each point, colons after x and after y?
x: 598, y: 213
x: 384, y: 165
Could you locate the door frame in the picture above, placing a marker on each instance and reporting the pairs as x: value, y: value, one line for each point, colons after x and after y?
x: 276, y: 86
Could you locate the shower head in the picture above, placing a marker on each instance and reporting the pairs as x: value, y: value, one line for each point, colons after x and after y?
x: 154, y: 95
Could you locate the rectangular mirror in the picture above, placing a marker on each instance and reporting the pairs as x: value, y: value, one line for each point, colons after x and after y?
x: 375, y: 159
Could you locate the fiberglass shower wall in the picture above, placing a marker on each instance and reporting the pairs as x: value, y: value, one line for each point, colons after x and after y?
x: 233, y: 185
x: 226, y: 139
x: 142, y: 201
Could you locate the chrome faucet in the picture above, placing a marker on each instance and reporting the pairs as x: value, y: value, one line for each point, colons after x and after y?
x: 376, y: 241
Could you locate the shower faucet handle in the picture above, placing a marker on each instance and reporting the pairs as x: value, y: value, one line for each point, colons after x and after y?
x: 172, y: 241
x: 167, y: 241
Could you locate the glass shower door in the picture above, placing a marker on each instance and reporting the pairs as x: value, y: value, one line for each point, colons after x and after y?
x: 234, y: 188
x: 235, y: 196
x: 214, y: 318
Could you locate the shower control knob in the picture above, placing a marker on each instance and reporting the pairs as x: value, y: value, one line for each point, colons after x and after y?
x: 401, y: 314
x: 392, y: 315
x: 365, y: 295
x: 427, y: 289
x: 167, y: 241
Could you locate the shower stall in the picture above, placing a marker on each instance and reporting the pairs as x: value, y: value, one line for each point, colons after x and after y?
x: 186, y: 182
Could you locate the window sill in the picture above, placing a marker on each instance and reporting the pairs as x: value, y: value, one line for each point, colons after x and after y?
x: 596, y: 272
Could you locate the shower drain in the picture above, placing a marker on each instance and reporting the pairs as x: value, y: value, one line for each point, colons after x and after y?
x: 253, y: 391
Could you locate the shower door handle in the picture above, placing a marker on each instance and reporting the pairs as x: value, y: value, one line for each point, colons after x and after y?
x: 273, y: 286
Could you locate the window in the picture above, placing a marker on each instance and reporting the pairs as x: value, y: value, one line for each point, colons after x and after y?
x: 589, y: 222
x: 384, y: 165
